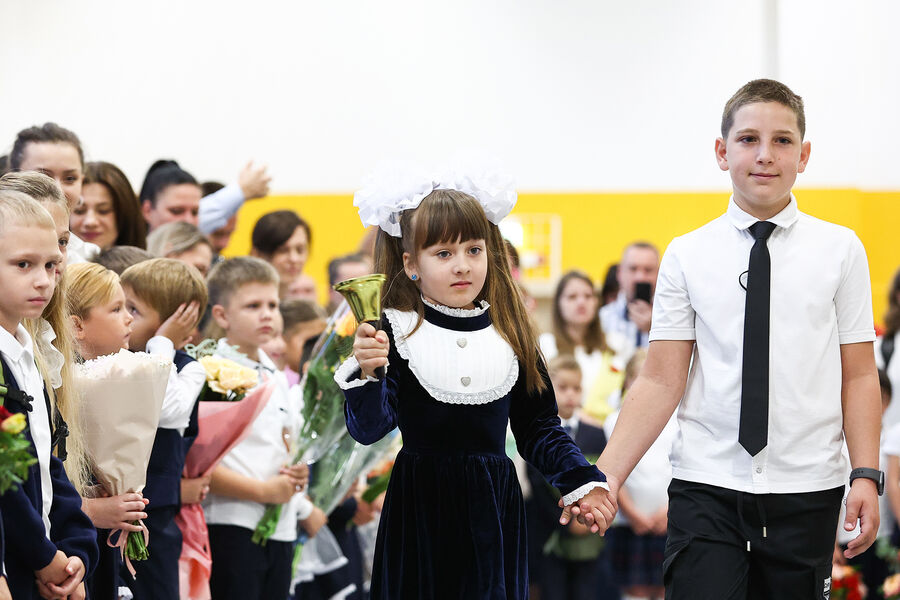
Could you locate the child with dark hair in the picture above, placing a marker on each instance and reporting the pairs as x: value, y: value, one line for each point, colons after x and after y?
x: 456, y: 363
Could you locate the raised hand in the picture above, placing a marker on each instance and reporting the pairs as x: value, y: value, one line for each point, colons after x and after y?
x: 370, y: 349
x: 180, y: 325
x: 254, y: 181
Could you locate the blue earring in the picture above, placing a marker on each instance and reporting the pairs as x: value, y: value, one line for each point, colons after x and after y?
x: 414, y: 277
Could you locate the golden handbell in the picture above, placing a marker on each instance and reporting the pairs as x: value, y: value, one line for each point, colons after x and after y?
x: 363, y: 294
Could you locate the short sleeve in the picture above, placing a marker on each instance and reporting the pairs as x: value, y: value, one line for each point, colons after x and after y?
x: 673, y: 315
x: 891, y: 444
x: 853, y: 299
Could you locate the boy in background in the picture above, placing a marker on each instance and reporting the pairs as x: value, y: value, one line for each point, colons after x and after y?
x: 165, y: 297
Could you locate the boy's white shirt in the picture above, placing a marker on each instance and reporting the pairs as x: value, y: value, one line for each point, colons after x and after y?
x: 260, y: 455
x: 820, y: 299
x: 182, y: 389
x: 18, y: 351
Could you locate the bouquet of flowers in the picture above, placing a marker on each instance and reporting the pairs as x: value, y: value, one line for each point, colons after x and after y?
x: 846, y: 583
x: 226, y: 380
x: 377, y: 480
x: 323, y: 404
x: 222, y: 426
x: 891, y: 587
x: 123, y: 395
x: 336, y: 472
x: 14, y: 455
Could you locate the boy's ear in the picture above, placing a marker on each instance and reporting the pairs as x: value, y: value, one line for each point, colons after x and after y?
x: 804, y: 156
x: 218, y: 313
x: 408, y: 265
x: 77, y: 327
x: 720, y: 154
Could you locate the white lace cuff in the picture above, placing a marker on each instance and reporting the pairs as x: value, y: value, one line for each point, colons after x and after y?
x: 575, y: 496
x: 346, y: 375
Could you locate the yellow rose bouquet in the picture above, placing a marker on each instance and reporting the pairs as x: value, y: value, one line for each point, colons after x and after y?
x: 14, y: 455
x: 226, y: 380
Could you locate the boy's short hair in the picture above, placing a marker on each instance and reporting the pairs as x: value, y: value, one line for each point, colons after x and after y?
x: 763, y: 90
x: 37, y: 185
x: 119, y: 258
x: 229, y: 275
x: 563, y: 362
x: 296, y: 311
x: 165, y: 284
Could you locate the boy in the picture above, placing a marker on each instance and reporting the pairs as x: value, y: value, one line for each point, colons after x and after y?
x: 164, y: 296
x: 51, y: 544
x: 778, y: 306
x: 569, y: 563
x: 243, y: 293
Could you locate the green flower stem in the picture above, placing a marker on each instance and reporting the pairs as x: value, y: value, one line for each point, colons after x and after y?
x: 135, y: 548
x: 267, y: 524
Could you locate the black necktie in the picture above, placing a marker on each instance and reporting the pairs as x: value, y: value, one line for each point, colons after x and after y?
x: 754, y: 429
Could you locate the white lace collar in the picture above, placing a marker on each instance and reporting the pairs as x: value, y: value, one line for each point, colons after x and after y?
x: 53, y: 358
x: 459, y: 312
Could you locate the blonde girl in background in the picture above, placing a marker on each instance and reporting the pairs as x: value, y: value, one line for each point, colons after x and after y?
x: 101, y: 325
x: 183, y: 242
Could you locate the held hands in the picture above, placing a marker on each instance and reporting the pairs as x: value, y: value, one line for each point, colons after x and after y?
x: 180, y: 325
x: 116, y: 512
x: 61, y: 578
x: 862, y: 504
x: 254, y: 181
x: 596, y: 510
x: 370, y: 349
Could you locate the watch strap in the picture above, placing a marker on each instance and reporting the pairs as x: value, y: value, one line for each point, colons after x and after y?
x: 873, y: 474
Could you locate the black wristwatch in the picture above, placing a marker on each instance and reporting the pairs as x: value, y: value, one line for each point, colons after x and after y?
x: 873, y: 474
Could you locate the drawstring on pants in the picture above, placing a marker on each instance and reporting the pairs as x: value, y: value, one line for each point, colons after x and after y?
x: 760, y: 509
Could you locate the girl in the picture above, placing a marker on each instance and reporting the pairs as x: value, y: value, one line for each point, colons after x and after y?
x: 282, y: 238
x: 576, y: 331
x: 109, y: 214
x: 183, y: 242
x: 101, y: 325
x: 462, y: 362
x: 54, y: 542
x: 56, y: 152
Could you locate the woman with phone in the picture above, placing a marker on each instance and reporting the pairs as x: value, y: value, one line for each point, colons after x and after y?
x: 576, y: 331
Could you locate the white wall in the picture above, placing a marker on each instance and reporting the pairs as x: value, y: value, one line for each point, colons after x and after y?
x: 569, y: 94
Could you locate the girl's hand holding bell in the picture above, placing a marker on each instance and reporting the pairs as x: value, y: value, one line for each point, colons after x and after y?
x: 370, y: 348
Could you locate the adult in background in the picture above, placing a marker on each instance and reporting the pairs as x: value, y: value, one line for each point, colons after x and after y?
x: 626, y: 321
x: 109, y: 213
x: 282, y: 238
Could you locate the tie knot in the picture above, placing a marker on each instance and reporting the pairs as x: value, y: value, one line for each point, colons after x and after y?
x: 761, y: 230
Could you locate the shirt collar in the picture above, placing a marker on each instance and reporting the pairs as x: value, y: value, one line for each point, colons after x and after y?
x: 15, y: 346
x: 742, y: 220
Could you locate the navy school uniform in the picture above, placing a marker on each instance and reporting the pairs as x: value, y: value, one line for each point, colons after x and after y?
x: 453, y: 523
x: 71, y: 531
x: 157, y: 577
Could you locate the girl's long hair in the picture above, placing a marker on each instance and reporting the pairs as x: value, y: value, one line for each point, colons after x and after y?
x: 593, y: 337
x: 63, y: 400
x: 892, y: 318
x: 449, y: 216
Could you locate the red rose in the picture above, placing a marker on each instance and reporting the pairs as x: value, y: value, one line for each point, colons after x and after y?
x: 4, y: 413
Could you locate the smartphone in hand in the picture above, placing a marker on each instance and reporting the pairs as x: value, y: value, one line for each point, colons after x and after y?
x: 642, y: 291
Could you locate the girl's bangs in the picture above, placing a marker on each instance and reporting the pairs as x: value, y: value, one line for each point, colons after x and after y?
x: 447, y: 216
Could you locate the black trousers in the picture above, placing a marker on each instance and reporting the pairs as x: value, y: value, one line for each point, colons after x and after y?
x: 728, y: 545
x: 157, y: 577
x: 242, y: 570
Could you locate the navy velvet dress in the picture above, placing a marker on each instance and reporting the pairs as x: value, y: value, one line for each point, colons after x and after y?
x: 453, y: 523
